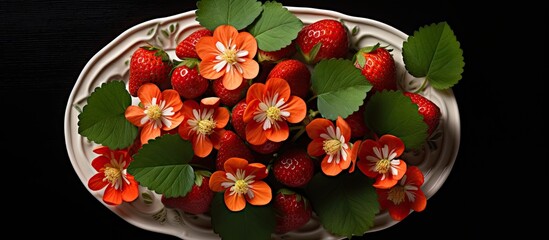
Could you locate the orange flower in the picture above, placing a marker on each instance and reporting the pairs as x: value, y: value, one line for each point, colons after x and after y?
x: 334, y: 142
x: 111, y: 167
x: 159, y: 111
x: 241, y: 182
x: 228, y: 54
x: 204, y: 124
x: 378, y: 159
x: 270, y: 106
x: 404, y: 196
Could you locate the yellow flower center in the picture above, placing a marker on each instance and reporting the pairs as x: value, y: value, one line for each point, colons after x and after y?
x: 154, y: 112
x: 331, y: 146
x: 273, y: 113
x: 112, y: 174
x: 241, y: 186
x: 396, y: 194
x: 383, y: 166
x: 206, y: 126
x: 229, y: 55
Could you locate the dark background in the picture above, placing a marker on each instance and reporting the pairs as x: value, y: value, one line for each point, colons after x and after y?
x: 45, y: 45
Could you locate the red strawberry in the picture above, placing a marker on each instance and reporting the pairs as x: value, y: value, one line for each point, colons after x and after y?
x: 274, y: 56
x: 296, y: 74
x: 187, y: 81
x: 378, y: 66
x: 323, y: 39
x: 149, y: 64
x: 357, y: 124
x: 269, y: 147
x: 231, y: 145
x: 294, y: 168
x: 196, y: 201
x: 292, y: 211
x: 187, y: 47
x: 429, y: 110
x: 229, y: 97
x: 237, y: 118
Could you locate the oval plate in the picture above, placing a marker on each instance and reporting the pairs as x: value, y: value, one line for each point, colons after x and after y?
x: 147, y: 212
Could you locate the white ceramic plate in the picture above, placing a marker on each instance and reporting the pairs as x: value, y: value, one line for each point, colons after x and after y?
x: 435, y: 161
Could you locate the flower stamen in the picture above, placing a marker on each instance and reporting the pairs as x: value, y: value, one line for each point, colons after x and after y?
x: 396, y: 194
x: 383, y: 166
x: 331, y: 146
x: 206, y: 126
x: 154, y: 112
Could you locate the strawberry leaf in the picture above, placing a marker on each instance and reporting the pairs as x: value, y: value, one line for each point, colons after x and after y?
x: 162, y: 165
x: 275, y: 28
x: 213, y: 13
x: 346, y: 204
x: 433, y: 52
x: 339, y: 86
x: 253, y: 222
x: 103, y: 121
x: 391, y: 112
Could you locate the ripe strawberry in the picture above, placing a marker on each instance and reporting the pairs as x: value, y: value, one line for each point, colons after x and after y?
x: 292, y: 211
x: 322, y: 39
x: 294, y: 168
x: 278, y: 55
x: 187, y: 81
x: 378, y: 66
x: 269, y: 147
x: 231, y: 145
x: 296, y: 74
x: 187, y: 47
x: 197, y: 200
x: 149, y: 64
x: 237, y: 118
x: 357, y: 124
x: 229, y: 97
x: 429, y: 110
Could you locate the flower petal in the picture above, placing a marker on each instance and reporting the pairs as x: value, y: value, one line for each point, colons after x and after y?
x: 188, y: 107
x: 234, y: 163
x: 99, y: 162
x: 172, y: 99
x: 354, y: 154
x: 207, y: 69
x: 255, y: 91
x: 96, y: 182
x: 399, y: 212
x: 278, y: 134
x: 257, y: 169
x: 317, y: 126
x: 212, y: 102
x: 254, y: 133
x: 280, y: 86
x: 420, y: 203
x: 364, y: 166
x: 245, y: 41
x: 232, y: 79
x: 262, y: 193
x: 394, y: 143
x: 149, y: 132
x: 216, y: 179
x: 130, y: 192
x: 202, y: 146
x: 112, y: 196
x: 226, y: 34
x: 134, y: 114
x: 344, y: 127
x: 185, y: 131
x: 250, y: 110
x: 316, y: 147
x: 221, y: 117
x: 205, y: 48
x: 414, y: 176
x: 235, y: 202
x: 175, y: 120
x: 250, y: 68
x: 330, y: 169
x: 215, y: 137
x: 385, y: 183
x: 147, y: 92
x: 345, y: 164
x: 297, y: 108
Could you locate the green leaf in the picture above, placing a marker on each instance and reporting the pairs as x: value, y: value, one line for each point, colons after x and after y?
x: 339, y: 86
x: 103, y: 121
x: 391, y: 112
x: 162, y: 165
x: 275, y: 28
x: 346, y: 204
x: 433, y: 52
x: 238, y: 13
x: 252, y: 223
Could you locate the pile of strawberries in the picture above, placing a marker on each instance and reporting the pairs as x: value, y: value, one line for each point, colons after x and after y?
x: 290, y: 166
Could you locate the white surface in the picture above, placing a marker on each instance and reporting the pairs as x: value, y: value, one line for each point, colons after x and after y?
x: 109, y: 64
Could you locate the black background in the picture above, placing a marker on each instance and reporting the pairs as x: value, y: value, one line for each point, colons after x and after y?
x: 45, y: 45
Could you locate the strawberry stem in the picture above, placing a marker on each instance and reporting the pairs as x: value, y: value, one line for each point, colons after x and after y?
x: 312, y: 98
x: 422, y: 87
